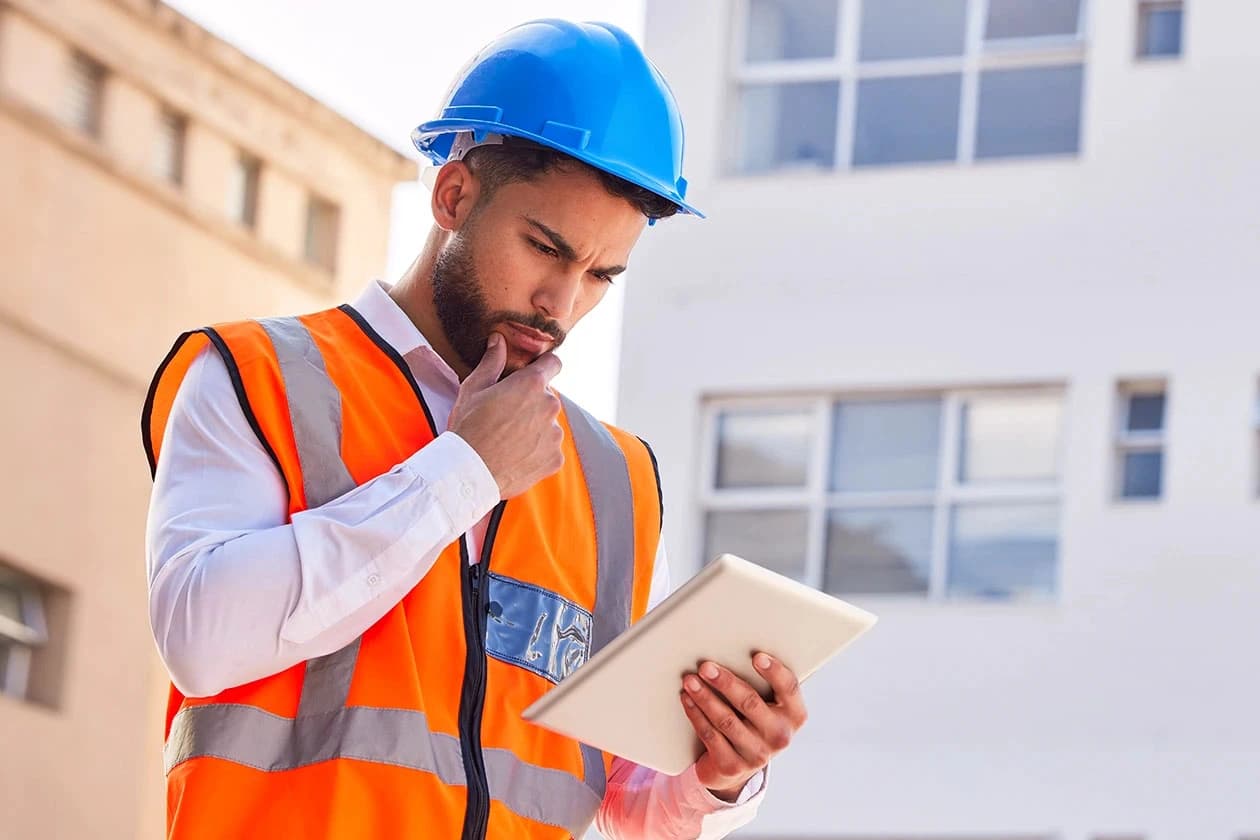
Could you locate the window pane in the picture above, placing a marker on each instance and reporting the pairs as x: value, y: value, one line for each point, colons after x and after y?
x: 1000, y: 551
x: 900, y: 120
x: 322, y: 220
x: 1034, y: 111
x: 1146, y: 413
x: 886, y: 445
x: 879, y: 551
x: 243, y: 195
x: 788, y: 126
x: 169, y: 157
x: 773, y: 538
x: 789, y: 29
x: 1143, y: 475
x: 11, y: 603
x: 764, y: 448
x: 912, y: 28
x: 1010, y: 438
x: 1031, y: 18
x: 84, y: 92
x: 1160, y: 31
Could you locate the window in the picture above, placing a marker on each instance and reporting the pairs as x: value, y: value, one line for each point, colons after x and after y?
x: 85, y: 91
x: 1140, y: 441
x: 806, y: 111
x: 1159, y: 29
x: 243, y: 190
x: 168, y: 161
x: 322, y: 219
x: 790, y: 29
x: 839, y: 84
x: 952, y: 495
x: 22, y: 630
x: 1029, y: 111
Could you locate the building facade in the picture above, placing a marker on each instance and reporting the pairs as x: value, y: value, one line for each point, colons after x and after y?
x: 154, y: 179
x: 969, y: 339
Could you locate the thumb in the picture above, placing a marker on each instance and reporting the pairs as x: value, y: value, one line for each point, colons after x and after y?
x: 490, y: 368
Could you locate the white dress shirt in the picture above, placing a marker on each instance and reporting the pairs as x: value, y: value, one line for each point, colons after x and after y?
x: 238, y: 591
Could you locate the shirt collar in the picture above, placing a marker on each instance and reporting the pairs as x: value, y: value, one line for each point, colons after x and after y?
x: 389, y: 321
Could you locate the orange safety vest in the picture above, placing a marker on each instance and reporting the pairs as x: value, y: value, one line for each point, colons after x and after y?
x: 414, y: 729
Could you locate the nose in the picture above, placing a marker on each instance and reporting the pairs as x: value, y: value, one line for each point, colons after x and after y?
x: 557, y: 296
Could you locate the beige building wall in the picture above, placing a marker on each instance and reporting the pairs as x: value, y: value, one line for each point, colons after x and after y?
x: 102, y: 264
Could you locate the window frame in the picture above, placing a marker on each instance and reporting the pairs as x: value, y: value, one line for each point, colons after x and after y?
x: 1127, y: 442
x: 22, y: 637
x: 817, y: 499
x: 1144, y: 8
x: 979, y: 55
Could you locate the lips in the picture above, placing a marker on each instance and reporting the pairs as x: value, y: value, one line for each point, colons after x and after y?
x: 526, y: 339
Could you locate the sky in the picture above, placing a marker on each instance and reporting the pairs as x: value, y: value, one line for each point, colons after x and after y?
x: 385, y: 64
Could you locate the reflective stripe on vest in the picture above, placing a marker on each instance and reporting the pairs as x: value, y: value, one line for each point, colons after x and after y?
x: 608, y: 478
x: 327, y: 728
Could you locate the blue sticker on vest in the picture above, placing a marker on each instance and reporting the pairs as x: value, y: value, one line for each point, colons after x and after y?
x: 536, y: 629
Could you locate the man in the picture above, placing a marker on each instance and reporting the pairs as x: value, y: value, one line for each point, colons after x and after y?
x: 376, y: 535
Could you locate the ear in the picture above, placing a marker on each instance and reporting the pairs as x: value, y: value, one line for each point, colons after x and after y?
x: 455, y: 193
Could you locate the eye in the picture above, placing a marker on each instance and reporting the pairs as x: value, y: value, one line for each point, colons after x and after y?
x: 544, y: 249
x: 606, y: 278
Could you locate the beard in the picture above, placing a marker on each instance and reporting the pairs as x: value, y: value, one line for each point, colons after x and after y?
x: 460, y: 301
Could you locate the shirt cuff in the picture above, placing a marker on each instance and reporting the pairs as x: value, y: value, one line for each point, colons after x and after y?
x: 460, y: 481
x: 704, y: 801
x: 754, y: 786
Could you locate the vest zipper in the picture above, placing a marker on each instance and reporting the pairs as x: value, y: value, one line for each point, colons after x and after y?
x: 472, y: 701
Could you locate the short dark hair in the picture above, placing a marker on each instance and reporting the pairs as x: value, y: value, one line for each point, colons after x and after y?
x: 517, y: 159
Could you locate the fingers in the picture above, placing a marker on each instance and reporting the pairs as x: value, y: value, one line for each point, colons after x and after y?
x: 734, y: 745
x: 545, y: 366
x: 787, y: 689
x: 724, y: 763
x: 490, y: 368
x: 533, y: 379
x: 769, y: 723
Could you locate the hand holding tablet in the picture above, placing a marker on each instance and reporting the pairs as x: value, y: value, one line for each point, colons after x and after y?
x: 625, y: 700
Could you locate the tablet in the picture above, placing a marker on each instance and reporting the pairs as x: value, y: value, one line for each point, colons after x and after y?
x: 625, y: 699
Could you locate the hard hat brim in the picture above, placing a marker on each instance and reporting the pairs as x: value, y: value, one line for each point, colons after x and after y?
x: 424, y: 135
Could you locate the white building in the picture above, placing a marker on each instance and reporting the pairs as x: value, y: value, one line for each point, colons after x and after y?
x: 972, y: 339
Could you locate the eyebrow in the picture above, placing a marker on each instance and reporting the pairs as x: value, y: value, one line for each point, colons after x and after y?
x: 565, y: 250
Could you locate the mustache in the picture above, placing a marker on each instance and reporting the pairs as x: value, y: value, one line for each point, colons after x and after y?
x: 533, y: 322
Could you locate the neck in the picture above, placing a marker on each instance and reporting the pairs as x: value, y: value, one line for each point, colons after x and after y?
x: 414, y: 295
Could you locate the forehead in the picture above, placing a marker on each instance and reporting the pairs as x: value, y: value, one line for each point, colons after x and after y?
x: 574, y: 203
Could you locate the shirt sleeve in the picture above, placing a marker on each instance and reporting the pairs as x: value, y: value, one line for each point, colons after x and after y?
x: 237, y: 592
x: 643, y: 803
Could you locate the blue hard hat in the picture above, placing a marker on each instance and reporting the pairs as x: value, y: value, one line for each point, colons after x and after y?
x: 585, y: 89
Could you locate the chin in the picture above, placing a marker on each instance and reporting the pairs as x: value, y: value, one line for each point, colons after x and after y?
x: 517, y: 358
